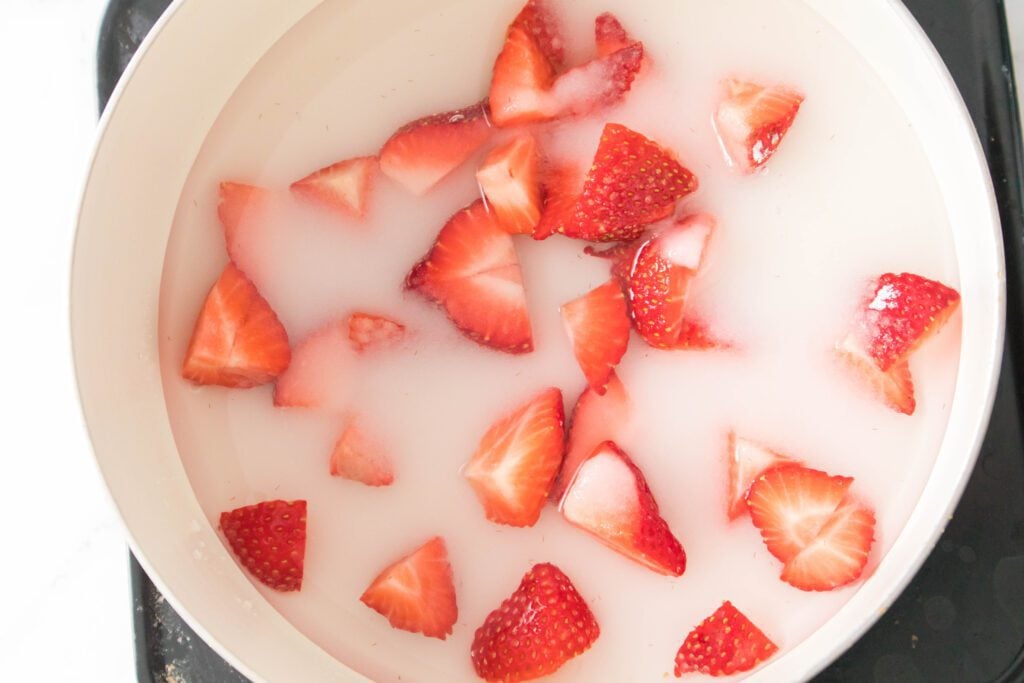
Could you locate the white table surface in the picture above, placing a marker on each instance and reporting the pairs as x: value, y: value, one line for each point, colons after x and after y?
x: 65, y: 603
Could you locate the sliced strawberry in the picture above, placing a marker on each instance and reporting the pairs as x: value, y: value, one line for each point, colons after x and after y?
x: 597, y: 84
x: 343, y: 187
x: 621, y: 255
x: 895, y: 386
x: 748, y: 461
x: 632, y: 182
x: 521, y: 80
x: 562, y: 185
x: 316, y: 377
x: 595, y: 419
x: 609, y: 498
x: 510, y: 182
x: 517, y: 460
x: 473, y: 272
x: 537, y: 19
x: 838, y: 553
x: 240, y: 205
x: 751, y: 121
x: 269, y: 539
x: 367, y: 331
x: 598, y: 327
x: 423, y: 152
x: 359, y: 456
x: 536, y: 630
x: 791, y: 504
x: 723, y: 644
x: 417, y: 593
x: 609, y: 34
x: 238, y: 340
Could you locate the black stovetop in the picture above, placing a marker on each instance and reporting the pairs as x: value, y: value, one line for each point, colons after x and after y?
x: 962, y: 618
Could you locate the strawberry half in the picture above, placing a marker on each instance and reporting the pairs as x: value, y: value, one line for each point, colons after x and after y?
x: 417, y: 593
x: 609, y: 34
x: 269, y: 539
x: 473, y: 272
x: 748, y: 461
x: 724, y: 644
x: 838, y: 554
x: 895, y: 386
x: 751, y: 121
x: 359, y: 456
x: 540, y: 627
x: 598, y: 327
x: 367, y: 331
x: 517, y: 460
x: 238, y: 341
x: 608, y: 497
x: 343, y: 187
x: 316, y: 377
x: 239, y: 205
x: 510, y: 182
x: 595, y: 419
x: 423, y: 152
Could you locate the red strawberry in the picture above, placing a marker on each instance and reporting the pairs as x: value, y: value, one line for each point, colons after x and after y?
x: 723, y: 644
x: 343, y: 187
x: 610, y: 35
x: 317, y: 375
x: 517, y: 460
x: 609, y: 498
x: 540, y: 627
x: 423, y: 152
x: 748, y: 461
x: 269, y: 539
x: 473, y: 272
x: 239, y: 205
x: 622, y: 257
x: 895, y: 386
x: 751, y: 121
x: 595, y: 419
x: 632, y: 182
x: 509, y: 180
x: 598, y: 327
x: 417, y: 593
x: 838, y: 554
x: 359, y: 456
x: 561, y: 187
x: 791, y: 504
x: 367, y: 331
x: 599, y: 83
x: 522, y: 77
x: 542, y: 26
x: 238, y: 340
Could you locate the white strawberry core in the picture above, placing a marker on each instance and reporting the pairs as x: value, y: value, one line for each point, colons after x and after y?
x: 602, y: 496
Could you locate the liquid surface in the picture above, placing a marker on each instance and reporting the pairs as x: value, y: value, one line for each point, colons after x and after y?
x: 849, y: 196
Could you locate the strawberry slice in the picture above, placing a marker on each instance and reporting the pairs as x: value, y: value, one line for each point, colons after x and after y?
x: 473, y: 272
x: 751, y: 121
x: 417, y: 593
x: 895, y: 386
x: 561, y: 189
x: 269, y: 539
x: 595, y: 419
x: 423, y: 152
x: 510, y: 182
x: 517, y: 460
x: 748, y: 461
x: 240, y: 205
x: 609, y: 498
x: 522, y: 76
x: 609, y: 34
x: 343, y: 187
x: 790, y: 505
x: 838, y: 554
x: 598, y: 327
x: 632, y: 182
x: 724, y: 644
x: 359, y: 456
x: 540, y: 23
x: 536, y: 630
x: 368, y: 331
x: 316, y: 377
x: 238, y: 341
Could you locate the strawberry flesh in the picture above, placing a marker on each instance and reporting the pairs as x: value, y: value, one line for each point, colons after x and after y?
x: 343, y: 187
x: 368, y: 331
x: 359, y: 456
x: 269, y: 539
x: 561, y: 189
x: 240, y: 205
x: 609, y: 34
x: 748, y: 461
x: 894, y: 387
x: 521, y: 80
x: 838, y: 554
x: 595, y: 85
x: 510, y: 182
x: 598, y: 327
x: 725, y: 643
x: 540, y: 23
x: 751, y: 121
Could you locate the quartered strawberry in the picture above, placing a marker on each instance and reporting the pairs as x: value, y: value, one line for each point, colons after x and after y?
x: 343, y: 187
x: 367, y: 331
x: 536, y: 630
x: 269, y: 539
x: 608, y: 497
x: 632, y: 182
x: 724, y: 644
x: 417, y: 593
x: 594, y: 85
x: 895, y: 386
x: 517, y: 460
x: 540, y: 23
x: 238, y: 340
x: 522, y: 77
x: 609, y: 34
x: 510, y: 182
x: 598, y: 327
x: 473, y: 272
x: 561, y: 189
x: 423, y: 152
x: 320, y: 366
x: 359, y: 456
x: 791, y: 504
x: 838, y: 554
x: 751, y: 121
x: 240, y: 204
x: 748, y: 460
x: 595, y: 419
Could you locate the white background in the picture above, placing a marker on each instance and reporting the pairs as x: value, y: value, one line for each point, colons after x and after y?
x: 65, y: 603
